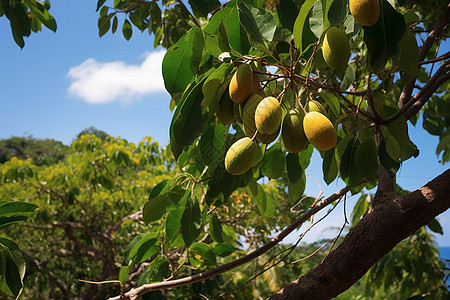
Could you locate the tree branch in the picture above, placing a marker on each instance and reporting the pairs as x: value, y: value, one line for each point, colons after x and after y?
x: 136, y: 292
x: 388, y: 221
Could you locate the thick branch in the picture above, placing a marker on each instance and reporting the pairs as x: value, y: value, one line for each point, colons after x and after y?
x: 388, y: 221
x: 136, y: 292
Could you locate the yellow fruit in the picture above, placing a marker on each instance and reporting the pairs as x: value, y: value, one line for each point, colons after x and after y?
x: 319, y: 131
x: 336, y: 48
x: 292, y: 132
x: 365, y: 12
x: 268, y: 115
x: 240, y: 156
x: 314, y: 105
x: 224, y: 112
x: 241, y: 84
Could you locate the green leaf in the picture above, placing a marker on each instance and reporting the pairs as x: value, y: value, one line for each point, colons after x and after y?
x: 347, y: 168
x: 43, y: 15
x: 263, y: 202
x: 249, y: 24
x: 338, y: 12
x: 201, y: 8
x: 237, y: 36
x: 15, y: 212
x: 222, y: 249
x: 399, y: 130
x: 202, y: 253
x: 123, y: 273
x: 287, y: 13
x: 273, y: 162
x: 156, y: 207
x: 215, y: 85
x: 329, y: 166
x: 173, y: 219
x: 182, y: 60
x: 141, y: 248
x: 127, y: 30
x: 293, y: 167
x: 215, y: 229
x: 435, y: 226
x: 11, y: 281
x: 409, y: 54
x: 392, y: 147
x: 265, y: 22
x: 191, y: 221
x: 221, y: 185
x: 383, y: 38
x: 349, y: 77
x: 155, y: 272
x: 100, y: 4
x: 366, y: 159
x: 114, y: 24
x: 19, y: 21
x: 212, y: 143
x: 300, y: 22
x: 296, y: 189
x: 391, y: 165
x: 316, y: 19
x: 188, y: 119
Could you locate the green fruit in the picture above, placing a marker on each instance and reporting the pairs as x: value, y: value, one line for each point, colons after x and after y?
x: 224, y: 112
x: 248, y: 120
x: 241, y: 84
x: 365, y: 12
x: 268, y: 115
x: 336, y: 48
x: 319, y: 130
x: 292, y: 132
x: 268, y: 138
x: 314, y: 105
x: 240, y: 156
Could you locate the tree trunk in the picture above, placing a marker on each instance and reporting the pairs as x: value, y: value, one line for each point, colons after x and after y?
x: 389, y: 220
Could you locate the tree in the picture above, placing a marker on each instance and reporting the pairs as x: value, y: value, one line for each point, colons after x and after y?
x: 395, y: 74
x: 87, y: 204
x: 42, y: 152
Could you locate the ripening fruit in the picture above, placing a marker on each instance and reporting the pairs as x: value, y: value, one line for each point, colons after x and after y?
x: 336, y: 48
x: 268, y: 138
x: 224, y: 112
x: 268, y: 115
x: 314, y: 105
x: 241, y: 84
x: 292, y: 132
x: 319, y: 130
x: 240, y: 156
x: 365, y: 12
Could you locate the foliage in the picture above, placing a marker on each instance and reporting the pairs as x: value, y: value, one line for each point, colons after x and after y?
x: 26, y: 16
x: 41, y: 152
x: 87, y: 204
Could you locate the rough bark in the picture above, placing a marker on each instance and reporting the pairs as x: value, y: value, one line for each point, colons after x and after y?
x: 388, y: 221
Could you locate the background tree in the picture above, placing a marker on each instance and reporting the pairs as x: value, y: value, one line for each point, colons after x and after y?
x: 89, y: 204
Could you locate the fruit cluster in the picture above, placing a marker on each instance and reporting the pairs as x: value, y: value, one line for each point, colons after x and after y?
x: 262, y: 120
x: 262, y: 117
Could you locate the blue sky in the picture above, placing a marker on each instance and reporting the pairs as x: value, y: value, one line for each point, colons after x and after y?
x: 63, y: 82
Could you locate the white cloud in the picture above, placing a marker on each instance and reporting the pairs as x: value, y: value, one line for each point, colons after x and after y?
x: 102, y: 82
